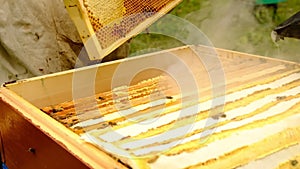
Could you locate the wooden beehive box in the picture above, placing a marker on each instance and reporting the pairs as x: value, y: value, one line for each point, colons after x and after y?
x: 256, y: 122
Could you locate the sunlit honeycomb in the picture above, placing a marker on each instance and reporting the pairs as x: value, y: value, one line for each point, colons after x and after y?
x: 114, y: 19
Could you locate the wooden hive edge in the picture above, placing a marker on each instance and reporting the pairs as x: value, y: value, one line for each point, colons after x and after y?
x: 84, y: 27
x: 87, y: 153
x: 79, y: 16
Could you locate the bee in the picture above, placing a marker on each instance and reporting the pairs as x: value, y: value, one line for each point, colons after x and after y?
x: 169, y: 97
x: 112, y: 123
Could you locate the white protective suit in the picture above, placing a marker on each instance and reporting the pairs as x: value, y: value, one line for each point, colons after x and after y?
x: 36, y: 38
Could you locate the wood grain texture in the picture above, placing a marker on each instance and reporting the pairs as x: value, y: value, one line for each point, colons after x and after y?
x: 27, y: 147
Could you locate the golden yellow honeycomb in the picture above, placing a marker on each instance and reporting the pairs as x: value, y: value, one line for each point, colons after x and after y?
x: 105, y: 25
x: 114, y: 19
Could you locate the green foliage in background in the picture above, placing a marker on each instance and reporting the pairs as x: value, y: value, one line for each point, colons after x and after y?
x: 258, y: 38
x: 285, y: 9
x: 145, y: 43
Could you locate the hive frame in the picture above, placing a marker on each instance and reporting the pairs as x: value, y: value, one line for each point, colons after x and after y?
x: 78, y: 14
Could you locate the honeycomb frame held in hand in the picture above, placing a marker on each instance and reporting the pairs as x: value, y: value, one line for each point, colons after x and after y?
x: 105, y: 25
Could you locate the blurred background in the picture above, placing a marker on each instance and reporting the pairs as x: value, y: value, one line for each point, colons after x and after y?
x: 240, y: 25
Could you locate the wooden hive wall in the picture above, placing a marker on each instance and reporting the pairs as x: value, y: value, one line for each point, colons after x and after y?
x: 262, y: 104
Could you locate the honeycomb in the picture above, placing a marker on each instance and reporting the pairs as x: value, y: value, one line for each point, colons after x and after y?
x: 114, y: 19
x: 104, y: 12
